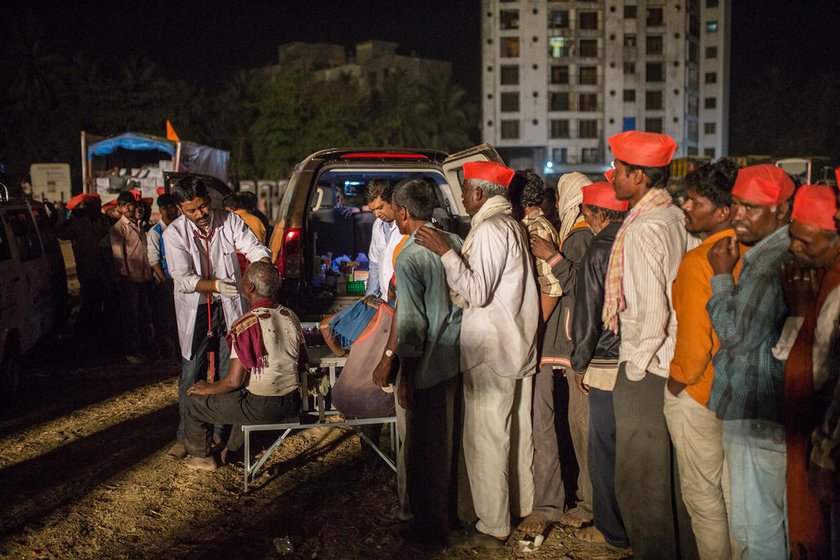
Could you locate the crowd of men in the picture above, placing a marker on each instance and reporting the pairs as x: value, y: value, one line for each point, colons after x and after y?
x: 697, y: 338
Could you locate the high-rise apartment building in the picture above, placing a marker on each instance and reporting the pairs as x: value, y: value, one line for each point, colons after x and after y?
x: 561, y: 76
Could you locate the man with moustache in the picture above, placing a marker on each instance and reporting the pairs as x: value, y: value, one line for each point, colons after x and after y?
x: 813, y: 296
x: 201, y: 247
x: 747, y: 388
x: 697, y: 434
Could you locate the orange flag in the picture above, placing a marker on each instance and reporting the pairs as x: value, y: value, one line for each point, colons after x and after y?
x: 170, y: 132
x: 837, y: 175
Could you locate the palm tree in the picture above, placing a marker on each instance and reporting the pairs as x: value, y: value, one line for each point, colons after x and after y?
x: 448, y: 116
x: 32, y: 69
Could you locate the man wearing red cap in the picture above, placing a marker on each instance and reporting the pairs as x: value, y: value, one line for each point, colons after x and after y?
x: 747, y: 386
x: 697, y: 434
x: 493, y: 281
x: 643, y: 263
x: 811, y: 290
x: 85, y: 228
x: 595, y: 362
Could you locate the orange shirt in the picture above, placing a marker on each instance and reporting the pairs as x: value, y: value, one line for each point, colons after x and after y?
x: 252, y: 222
x: 697, y: 342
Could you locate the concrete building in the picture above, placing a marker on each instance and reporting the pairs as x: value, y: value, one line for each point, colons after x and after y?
x: 370, y: 63
x: 560, y: 77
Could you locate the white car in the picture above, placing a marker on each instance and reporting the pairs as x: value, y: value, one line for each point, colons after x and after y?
x: 33, y: 284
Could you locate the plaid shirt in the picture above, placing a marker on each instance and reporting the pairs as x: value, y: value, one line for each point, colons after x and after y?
x: 748, y: 319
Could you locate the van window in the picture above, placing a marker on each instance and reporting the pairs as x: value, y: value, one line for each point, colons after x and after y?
x: 24, y: 233
x: 48, y: 235
x: 5, y: 248
x: 337, y: 233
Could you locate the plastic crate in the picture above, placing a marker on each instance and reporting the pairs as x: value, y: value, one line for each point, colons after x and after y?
x: 357, y: 287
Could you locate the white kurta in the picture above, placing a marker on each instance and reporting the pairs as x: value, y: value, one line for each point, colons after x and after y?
x: 381, y: 256
x: 185, y: 257
x: 499, y: 328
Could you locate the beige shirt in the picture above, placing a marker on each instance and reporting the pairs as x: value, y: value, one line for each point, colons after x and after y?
x: 283, y: 340
x: 653, y: 249
x: 128, y: 244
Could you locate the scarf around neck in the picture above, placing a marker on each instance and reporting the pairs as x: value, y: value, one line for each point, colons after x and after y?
x: 494, y: 205
x: 614, y: 302
x: 245, y: 337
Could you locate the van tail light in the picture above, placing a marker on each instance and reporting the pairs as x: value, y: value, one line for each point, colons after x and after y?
x: 290, y: 260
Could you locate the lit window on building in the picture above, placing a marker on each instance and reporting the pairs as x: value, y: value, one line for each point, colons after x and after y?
x: 589, y: 155
x: 588, y: 128
x: 653, y: 125
x: 588, y: 20
x: 559, y: 101
x: 510, y: 130
x: 655, y: 17
x: 559, y: 74
x: 629, y: 95
x: 654, y: 72
x: 558, y: 46
x: 653, y: 100
x: 510, y: 101
x: 588, y: 102
x: 509, y: 47
x: 711, y: 26
x: 711, y: 77
x: 629, y: 39
x: 509, y: 19
x: 629, y: 67
x: 629, y: 12
x: 653, y: 44
x: 710, y: 103
x: 711, y: 52
x: 559, y: 128
x: 509, y: 75
x: 558, y: 19
x: 588, y: 48
x: 709, y: 128
x: 588, y: 75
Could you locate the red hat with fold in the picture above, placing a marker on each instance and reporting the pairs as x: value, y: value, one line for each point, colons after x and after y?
x: 488, y: 171
x: 763, y: 184
x: 610, y: 175
x: 645, y: 149
x: 80, y: 198
x: 815, y: 205
x: 603, y: 195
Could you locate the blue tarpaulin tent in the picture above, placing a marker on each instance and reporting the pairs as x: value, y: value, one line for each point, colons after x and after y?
x: 130, y: 141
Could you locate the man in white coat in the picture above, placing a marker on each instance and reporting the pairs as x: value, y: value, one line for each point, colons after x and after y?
x: 493, y: 281
x: 201, y: 248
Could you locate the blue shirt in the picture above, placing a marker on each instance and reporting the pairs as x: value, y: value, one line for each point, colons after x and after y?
x: 748, y: 319
x: 428, y: 323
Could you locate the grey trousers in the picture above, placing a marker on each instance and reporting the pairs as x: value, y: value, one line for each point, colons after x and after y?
x: 646, y: 482
x: 579, y: 428
x: 549, y: 494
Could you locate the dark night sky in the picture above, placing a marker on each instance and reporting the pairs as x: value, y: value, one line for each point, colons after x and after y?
x: 206, y: 42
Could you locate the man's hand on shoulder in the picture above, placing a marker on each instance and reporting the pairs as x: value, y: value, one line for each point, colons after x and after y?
x: 432, y: 240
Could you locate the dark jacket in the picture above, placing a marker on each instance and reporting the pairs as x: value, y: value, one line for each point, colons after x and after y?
x: 592, y: 342
x: 557, y: 340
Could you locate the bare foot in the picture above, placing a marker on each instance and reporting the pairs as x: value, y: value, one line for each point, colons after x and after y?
x: 590, y: 535
x: 570, y: 520
x: 533, y: 524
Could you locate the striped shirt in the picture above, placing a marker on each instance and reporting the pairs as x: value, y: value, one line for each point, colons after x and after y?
x: 748, y: 319
x: 654, y: 245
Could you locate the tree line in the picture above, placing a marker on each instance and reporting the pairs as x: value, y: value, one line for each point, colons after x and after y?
x: 268, y: 122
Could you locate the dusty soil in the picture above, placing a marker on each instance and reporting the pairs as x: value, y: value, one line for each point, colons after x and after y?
x: 84, y: 474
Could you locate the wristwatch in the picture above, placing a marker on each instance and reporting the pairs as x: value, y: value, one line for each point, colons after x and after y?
x: 389, y: 353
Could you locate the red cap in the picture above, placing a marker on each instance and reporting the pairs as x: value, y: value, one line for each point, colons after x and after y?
x: 763, y: 184
x: 610, y: 175
x: 108, y: 205
x: 138, y: 195
x: 160, y: 190
x: 815, y: 205
x: 80, y: 198
x: 603, y: 195
x: 646, y: 149
x: 488, y: 171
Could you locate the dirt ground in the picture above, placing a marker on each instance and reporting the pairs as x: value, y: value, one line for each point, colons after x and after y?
x: 83, y: 474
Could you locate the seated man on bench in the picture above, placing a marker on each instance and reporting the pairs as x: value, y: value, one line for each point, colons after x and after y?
x: 262, y: 387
